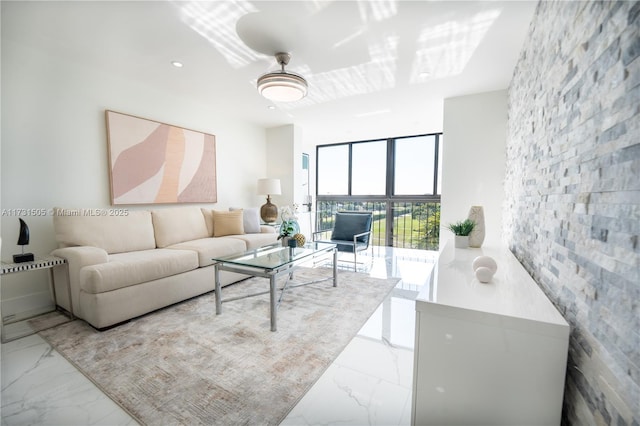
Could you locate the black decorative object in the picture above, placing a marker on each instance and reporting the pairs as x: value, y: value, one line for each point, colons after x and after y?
x: 23, y: 240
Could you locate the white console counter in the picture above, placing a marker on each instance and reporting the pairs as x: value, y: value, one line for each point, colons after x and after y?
x: 491, y: 353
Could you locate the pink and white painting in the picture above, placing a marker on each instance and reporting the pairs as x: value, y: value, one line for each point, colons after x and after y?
x: 156, y: 163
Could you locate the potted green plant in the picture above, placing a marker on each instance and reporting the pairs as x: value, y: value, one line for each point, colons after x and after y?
x: 289, y: 226
x: 287, y: 230
x: 462, y: 229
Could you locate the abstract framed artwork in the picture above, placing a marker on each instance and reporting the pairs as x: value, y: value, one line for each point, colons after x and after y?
x: 157, y: 163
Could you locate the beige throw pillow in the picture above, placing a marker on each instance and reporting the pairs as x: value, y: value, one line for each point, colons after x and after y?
x: 227, y: 223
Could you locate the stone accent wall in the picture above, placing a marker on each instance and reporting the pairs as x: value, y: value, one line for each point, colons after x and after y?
x: 572, y: 208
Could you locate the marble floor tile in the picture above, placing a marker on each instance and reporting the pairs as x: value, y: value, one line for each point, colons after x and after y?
x: 348, y: 397
x: 369, y: 383
x: 40, y: 387
x: 378, y: 359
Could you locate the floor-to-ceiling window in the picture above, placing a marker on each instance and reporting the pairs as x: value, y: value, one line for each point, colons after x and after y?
x: 398, y: 179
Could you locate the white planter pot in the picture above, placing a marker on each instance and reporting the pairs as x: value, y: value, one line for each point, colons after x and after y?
x: 462, y: 241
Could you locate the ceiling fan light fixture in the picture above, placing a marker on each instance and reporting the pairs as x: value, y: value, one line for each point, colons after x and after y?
x: 282, y: 86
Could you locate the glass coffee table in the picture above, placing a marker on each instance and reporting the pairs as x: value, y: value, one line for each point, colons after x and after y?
x: 272, y: 262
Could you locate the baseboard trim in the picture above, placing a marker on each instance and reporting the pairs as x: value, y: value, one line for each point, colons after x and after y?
x: 27, y: 306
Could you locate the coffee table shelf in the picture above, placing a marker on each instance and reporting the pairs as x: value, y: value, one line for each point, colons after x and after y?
x: 272, y: 262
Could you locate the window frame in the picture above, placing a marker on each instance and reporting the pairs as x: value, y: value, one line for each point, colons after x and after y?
x: 389, y: 199
x: 390, y: 170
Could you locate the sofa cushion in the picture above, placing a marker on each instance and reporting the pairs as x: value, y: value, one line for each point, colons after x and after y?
x: 254, y: 241
x: 127, y: 269
x: 349, y: 224
x: 76, y: 227
x: 208, y: 248
x: 175, y: 225
x: 227, y: 223
x: 250, y: 219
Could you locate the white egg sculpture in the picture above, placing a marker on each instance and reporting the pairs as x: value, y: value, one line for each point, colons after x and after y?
x: 484, y: 267
x: 484, y: 274
x: 485, y: 261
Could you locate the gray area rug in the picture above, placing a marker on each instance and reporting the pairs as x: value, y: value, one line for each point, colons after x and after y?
x: 51, y: 319
x: 187, y: 365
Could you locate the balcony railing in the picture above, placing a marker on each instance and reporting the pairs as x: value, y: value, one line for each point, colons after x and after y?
x: 406, y: 224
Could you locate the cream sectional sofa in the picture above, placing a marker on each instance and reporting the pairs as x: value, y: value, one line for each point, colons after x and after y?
x: 121, y: 267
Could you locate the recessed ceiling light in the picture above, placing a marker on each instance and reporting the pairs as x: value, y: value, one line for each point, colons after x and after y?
x: 271, y: 107
x: 177, y: 64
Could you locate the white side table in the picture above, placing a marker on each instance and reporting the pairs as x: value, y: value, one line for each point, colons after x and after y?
x: 274, y: 225
x: 45, y: 262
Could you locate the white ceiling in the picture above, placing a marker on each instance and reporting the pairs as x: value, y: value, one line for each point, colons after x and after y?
x: 363, y: 59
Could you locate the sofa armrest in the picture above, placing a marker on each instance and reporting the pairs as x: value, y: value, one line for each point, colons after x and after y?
x: 84, y: 255
x: 266, y: 229
x: 77, y: 258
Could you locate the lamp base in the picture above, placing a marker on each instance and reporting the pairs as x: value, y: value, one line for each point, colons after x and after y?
x: 24, y: 257
x: 269, y: 212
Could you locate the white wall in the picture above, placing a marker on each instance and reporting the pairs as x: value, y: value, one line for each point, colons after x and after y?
x: 473, y: 162
x: 54, y: 148
x: 285, y: 147
x: 280, y: 155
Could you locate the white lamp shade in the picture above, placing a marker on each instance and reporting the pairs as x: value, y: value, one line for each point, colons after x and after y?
x: 269, y: 187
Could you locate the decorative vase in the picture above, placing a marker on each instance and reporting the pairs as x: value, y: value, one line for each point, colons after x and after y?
x: 290, y: 226
x: 462, y: 241
x: 296, y: 227
x: 476, y: 214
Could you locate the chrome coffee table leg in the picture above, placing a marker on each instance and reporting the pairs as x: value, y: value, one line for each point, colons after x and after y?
x: 218, y: 290
x: 274, y: 308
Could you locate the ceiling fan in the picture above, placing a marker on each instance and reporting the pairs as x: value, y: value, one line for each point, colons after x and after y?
x: 282, y: 85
